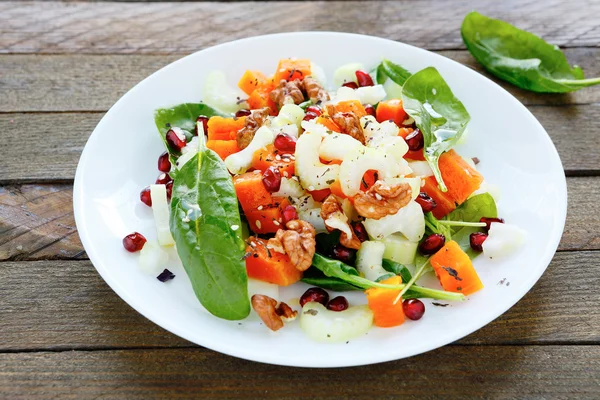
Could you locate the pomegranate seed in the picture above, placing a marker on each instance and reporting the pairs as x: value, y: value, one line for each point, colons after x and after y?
x: 338, y: 304
x: 204, y: 119
x: 432, y: 243
x: 370, y: 110
x: 134, y: 242
x: 288, y: 214
x: 272, y: 179
x: 363, y: 78
x: 314, y: 109
x: 284, y: 142
x: 476, y: 240
x: 145, y: 196
x: 163, y: 179
x: 426, y: 202
x: 413, y: 309
x: 488, y: 221
x: 175, y: 140
x: 244, y: 112
x: 164, y: 165
x: 351, y: 85
x: 169, y: 187
x: 415, y: 140
x: 343, y: 254
x: 315, y: 294
x: 360, y: 231
x: 309, y: 116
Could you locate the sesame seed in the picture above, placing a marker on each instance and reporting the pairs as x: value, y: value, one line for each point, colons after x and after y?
x: 260, y: 208
x: 276, y: 223
x: 235, y: 227
x: 258, y: 225
x: 311, y: 188
x: 256, y: 171
x: 278, y: 157
x: 285, y: 173
x: 378, y: 196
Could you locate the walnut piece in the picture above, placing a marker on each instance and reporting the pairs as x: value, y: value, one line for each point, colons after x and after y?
x: 348, y: 122
x: 382, y: 199
x: 275, y: 245
x: 331, y: 211
x: 253, y: 121
x: 298, y: 241
x: 314, y: 90
x: 288, y: 92
x: 265, y: 307
x: 285, y: 312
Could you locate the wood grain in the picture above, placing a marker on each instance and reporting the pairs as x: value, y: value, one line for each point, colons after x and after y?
x: 473, y: 372
x: 38, y: 27
x: 61, y: 83
x: 64, y: 305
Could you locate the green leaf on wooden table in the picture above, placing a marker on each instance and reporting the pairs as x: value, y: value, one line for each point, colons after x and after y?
x: 520, y: 57
x: 440, y: 116
x: 206, y: 225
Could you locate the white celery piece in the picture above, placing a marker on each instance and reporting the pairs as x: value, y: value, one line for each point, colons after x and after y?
x: 313, y: 174
x: 289, y: 114
x: 152, y: 258
x: 219, y: 94
x: 256, y: 286
x: 358, y: 161
x: 420, y: 168
x: 409, y: 221
x: 323, y: 325
x: 305, y: 203
x: 239, y: 162
x: 346, y: 73
x: 368, y: 260
x: 344, y: 94
x: 188, y: 152
x: 503, y: 239
x: 313, y: 216
x: 371, y: 94
x: 392, y: 89
x: 415, y: 184
x: 336, y: 145
x: 400, y: 249
x: 395, y: 147
x: 317, y: 129
x: 289, y: 187
x: 160, y: 209
x: 317, y: 72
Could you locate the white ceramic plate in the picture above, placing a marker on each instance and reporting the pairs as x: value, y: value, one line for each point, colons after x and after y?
x: 120, y: 159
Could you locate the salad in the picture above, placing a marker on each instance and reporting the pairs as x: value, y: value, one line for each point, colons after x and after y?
x: 353, y: 185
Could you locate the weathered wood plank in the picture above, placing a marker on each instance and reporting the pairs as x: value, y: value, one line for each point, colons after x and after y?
x: 506, y: 372
x: 128, y: 28
x: 60, y: 305
x: 32, y: 83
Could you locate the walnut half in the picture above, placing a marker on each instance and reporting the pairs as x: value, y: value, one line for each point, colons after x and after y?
x: 270, y: 313
x: 382, y: 200
x: 297, y: 241
x: 348, y: 122
x: 334, y: 218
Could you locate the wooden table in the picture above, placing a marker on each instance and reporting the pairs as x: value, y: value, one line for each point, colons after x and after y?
x: 64, y: 333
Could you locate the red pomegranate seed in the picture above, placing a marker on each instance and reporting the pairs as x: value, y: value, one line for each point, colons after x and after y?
x: 432, y: 243
x: 370, y: 110
x: 272, y: 179
x: 164, y: 165
x: 363, y: 78
x: 309, y: 116
x: 244, y: 112
x: 476, y: 240
x: 413, y: 309
x: 163, y: 179
x: 488, y: 221
x: 351, y: 85
x: 134, y: 242
x: 288, y: 214
x: 284, y: 142
x: 338, y: 304
x: 360, y: 231
x: 204, y: 119
x: 169, y: 187
x: 145, y: 196
x: 315, y: 294
x: 415, y: 140
x: 343, y: 254
x: 314, y: 109
x: 175, y: 140
x: 426, y: 202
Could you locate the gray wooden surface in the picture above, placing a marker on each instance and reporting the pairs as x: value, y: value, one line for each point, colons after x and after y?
x: 65, y: 334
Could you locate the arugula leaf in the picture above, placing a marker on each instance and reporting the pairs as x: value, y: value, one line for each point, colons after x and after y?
x: 440, y: 116
x: 397, y: 269
x: 520, y: 57
x: 334, y: 284
x: 432, y: 226
x: 472, y: 210
x: 395, y: 72
x: 205, y: 223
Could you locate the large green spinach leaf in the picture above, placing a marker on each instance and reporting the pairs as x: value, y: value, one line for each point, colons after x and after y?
x: 440, y: 116
x: 205, y: 223
x: 520, y: 57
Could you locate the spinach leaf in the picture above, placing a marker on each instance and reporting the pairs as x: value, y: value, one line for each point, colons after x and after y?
x: 397, y: 269
x: 324, y: 282
x: 394, y: 71
x: 472, y: 210
x: 205, y: 223
x: 520, y: 57
x: 181, y: 116
x: 380, y: 76
x: 440, y: 116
